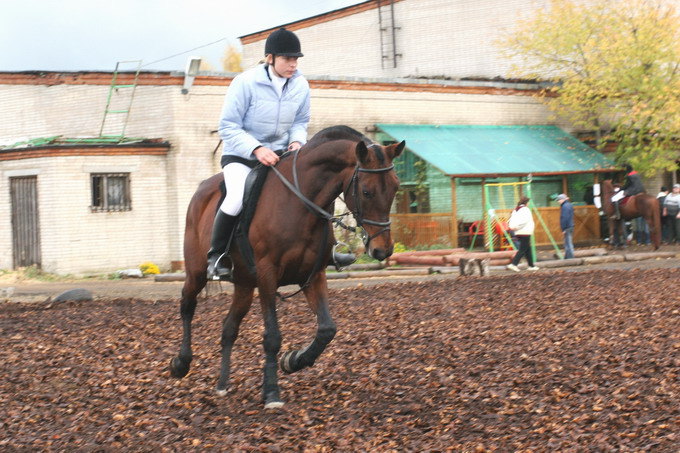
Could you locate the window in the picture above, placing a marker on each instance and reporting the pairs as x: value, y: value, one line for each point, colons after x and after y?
x: 110, y: 192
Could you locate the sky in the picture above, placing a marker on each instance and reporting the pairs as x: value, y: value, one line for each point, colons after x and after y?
x: 91, y: 35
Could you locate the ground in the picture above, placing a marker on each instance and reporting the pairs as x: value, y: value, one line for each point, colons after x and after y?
x: 551, y: 361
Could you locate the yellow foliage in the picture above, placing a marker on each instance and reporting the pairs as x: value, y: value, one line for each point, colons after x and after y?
x: 149, y: 268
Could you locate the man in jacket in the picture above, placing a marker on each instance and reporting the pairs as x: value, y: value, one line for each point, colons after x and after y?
x: 567, y: 224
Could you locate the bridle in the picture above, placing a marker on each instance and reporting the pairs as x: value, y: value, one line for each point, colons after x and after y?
x: 357, y: 213
x: 323, y: 214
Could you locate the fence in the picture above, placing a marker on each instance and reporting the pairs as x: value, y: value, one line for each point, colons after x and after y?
x: 424, y: 230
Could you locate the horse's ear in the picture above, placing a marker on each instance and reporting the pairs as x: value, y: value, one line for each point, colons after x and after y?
x: 400, y: 147
x: 362, y: 151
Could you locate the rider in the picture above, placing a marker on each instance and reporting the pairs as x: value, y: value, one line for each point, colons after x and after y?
x: 631, y: 186
x: 266, y: 109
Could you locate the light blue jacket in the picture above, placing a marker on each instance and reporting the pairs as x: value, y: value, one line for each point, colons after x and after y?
x: 253, y: 114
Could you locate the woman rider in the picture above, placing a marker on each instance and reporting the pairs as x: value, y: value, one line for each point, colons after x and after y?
x: 266, y: 109
x: 631, y: 186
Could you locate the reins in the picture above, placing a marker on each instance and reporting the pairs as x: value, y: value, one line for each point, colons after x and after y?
x: 323, y: 214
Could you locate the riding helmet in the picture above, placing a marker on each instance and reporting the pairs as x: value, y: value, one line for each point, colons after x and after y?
x: 283, y: 42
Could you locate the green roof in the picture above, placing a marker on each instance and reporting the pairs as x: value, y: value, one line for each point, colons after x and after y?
x: 467, y: 151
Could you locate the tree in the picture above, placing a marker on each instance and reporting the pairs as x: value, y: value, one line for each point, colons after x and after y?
x: 615, y: 65
x: 231, y: 62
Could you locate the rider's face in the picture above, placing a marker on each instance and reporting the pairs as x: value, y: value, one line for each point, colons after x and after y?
x: 285, y: 66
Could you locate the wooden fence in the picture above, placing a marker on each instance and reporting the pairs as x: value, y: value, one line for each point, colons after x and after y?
x: 422, y: 230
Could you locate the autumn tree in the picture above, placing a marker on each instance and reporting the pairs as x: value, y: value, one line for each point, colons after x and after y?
x: 231, y: 61
x: 615, y: 68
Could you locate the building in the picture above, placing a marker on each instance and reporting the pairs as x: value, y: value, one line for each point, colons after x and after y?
x: 445, y: 73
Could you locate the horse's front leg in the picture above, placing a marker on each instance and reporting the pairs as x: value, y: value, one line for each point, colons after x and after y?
x: 272, y: 346
x: 193, y: 284
x: 317, y: 297
x: 240, y: 305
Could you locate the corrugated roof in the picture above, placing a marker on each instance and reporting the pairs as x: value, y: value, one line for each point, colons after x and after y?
x: 459, y: 150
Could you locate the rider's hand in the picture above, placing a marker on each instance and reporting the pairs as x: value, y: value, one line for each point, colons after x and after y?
x: 294, y: 146
x: 266, y: 156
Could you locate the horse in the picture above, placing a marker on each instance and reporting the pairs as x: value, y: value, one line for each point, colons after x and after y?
x: 291, y: 244
x: 640, y: 205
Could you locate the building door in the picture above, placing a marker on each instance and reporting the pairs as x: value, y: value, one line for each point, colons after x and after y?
x: 25, y: 225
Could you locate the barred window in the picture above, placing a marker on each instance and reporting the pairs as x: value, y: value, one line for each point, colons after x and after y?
x: 110, y: 192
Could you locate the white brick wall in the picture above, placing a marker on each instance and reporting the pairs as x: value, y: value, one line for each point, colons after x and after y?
x: 435, y: 37
x: 75, y: 240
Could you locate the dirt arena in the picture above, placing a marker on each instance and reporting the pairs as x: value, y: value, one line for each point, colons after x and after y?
x: 559, y: 361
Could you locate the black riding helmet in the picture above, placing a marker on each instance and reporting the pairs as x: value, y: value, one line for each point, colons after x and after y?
x: 283, y: 42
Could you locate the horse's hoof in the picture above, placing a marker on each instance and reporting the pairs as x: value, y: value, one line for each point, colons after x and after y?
x: 286, y: 362
x: 221, y: 393
x: 278, y: 404
x: 178, y: 368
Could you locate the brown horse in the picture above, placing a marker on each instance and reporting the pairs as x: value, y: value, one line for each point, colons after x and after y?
x: 640, y: 205
x: 291, y: 243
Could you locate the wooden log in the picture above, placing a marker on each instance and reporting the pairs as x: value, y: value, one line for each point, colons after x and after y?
x: 455, y: 258
x: 419, y: 260
x: 437, y: 252
x: 586, y: 252
x: 647, y: 256
x: 178, y: 277
x: 603, y: 259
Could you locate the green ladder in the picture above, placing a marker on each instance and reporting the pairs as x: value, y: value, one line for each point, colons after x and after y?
x: 115, y: 86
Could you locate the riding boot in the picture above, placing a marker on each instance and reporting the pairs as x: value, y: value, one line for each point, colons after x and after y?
x: 341, y: 260
x: 223, y: 230
x: 617, y: 214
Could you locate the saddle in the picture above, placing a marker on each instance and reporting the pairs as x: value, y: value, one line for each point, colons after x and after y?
x: 251, y: 194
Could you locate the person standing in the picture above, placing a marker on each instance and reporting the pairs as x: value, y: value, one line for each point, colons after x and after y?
x: 671, y: 209
x: 661, y: 197
x: 567, y: 224
x: 522, y: 224
x: 266, y: 109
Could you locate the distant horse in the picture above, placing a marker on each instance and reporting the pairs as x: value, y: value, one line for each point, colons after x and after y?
x: 640, y: 205
x: 291, y: 242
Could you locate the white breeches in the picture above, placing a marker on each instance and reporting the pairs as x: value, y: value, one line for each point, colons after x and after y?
x: 235, y: 175
x: 618, y: 195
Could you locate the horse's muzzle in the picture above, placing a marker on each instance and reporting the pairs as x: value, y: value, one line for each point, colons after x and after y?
x: 381, y: 254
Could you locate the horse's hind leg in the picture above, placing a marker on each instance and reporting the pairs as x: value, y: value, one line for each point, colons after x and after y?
x: 193, y: 284
x: 243, y: 299
x: 317, y: 297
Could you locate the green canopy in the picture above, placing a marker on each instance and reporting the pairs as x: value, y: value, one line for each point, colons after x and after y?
x: 469, y: 151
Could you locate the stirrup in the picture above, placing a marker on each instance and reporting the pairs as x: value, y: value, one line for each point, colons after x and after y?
x: 341, y: 260
x: 221, y: 273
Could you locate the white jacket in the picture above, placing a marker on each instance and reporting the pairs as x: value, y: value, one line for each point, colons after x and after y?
x: 255, y: 115
x: 522, y: 222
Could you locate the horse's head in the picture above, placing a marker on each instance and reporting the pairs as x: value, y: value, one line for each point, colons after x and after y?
x: 370, y: 193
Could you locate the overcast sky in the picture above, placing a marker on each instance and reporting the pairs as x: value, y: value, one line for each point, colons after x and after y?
x: 85, y: 35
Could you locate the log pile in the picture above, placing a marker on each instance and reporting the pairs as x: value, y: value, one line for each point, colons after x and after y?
x: 449, y: 257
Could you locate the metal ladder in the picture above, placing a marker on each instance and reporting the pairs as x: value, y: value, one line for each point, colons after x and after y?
x: 114, y: 89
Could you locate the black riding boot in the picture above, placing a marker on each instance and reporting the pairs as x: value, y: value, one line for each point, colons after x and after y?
x: 617, y: 213
x: 223, y: 229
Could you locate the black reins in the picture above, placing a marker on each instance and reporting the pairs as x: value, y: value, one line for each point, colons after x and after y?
x: 323, y: 214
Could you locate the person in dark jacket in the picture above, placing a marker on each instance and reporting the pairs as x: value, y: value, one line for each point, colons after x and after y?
x: 567, y: 224
x: 632, y: 186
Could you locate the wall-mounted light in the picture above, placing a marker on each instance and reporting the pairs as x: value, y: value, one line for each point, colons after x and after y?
x: 190, y: 74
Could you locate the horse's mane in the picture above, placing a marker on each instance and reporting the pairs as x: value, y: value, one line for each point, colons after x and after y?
x: 338, y: 133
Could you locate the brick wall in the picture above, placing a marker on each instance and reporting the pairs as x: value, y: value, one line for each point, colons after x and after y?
x: 79, y: 241
x: 434, y: 38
